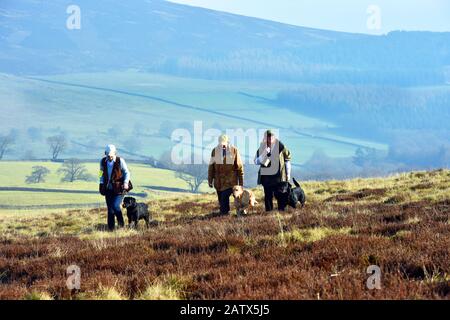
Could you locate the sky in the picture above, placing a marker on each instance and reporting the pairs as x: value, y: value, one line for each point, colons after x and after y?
x: 359, y: 16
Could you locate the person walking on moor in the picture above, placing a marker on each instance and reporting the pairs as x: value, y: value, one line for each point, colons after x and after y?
x: 225, y: 171
x: 114, y: 181
x: 274, y: 160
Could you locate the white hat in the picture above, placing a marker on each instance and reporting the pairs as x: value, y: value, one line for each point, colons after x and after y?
x: 110, y: 149
x: 223, y: 139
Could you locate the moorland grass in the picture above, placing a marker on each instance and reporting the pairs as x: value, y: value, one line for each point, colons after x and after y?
x: 325, y: 248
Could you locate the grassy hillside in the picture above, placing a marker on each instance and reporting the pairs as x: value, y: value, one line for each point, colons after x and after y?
x: 202, y: 43
x: 400, y: 223
x: 86, y: 106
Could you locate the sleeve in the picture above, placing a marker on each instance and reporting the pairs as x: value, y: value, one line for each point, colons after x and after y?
x: 125, y: 171
x: 288, y: 169
x: 239, y: 168
x: 287, y: 154
x: 211, y: 168
x: 287, y: 161
x: 260, y: 159
x: 100, y: 173
x: 256, y: 160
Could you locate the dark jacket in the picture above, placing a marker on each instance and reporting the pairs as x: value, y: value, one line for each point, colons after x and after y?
x: 117, y: 176
x: 280, y: 175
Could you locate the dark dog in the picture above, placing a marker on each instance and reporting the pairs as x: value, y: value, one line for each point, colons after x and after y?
x: 136, y: 212
x: 290, y: 196
x: 296, y: 195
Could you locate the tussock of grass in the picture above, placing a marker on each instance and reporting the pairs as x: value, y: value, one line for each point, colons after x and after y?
x: 104, y: 293
x: 57, y: 251
x: 101, y: 235
x: 233, y: 250
x: 35, y: 295
x: 413, y: 220
x: 402, y: 234
x: 171, y: 288
x: 159, y: 291
x: 313, y: 234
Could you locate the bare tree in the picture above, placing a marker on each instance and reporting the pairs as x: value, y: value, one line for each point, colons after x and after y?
x: 193, y: 174
x: 5, y: 144
x: 74, y: 169
x: 38, y: 174
x: 57, y: 145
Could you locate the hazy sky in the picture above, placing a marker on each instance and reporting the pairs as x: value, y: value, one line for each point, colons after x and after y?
x: 342, y: 15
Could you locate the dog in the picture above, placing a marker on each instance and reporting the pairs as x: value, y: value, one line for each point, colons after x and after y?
x: 136, y: 212
x: 243, y: 200
x: 296, y: 195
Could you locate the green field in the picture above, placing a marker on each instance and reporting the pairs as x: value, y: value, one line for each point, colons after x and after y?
x: 146, y: 180
x: 85, y: 106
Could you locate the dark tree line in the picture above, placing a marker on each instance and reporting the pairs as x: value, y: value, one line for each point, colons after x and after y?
x: 269, y: 66
x: 372, y: 107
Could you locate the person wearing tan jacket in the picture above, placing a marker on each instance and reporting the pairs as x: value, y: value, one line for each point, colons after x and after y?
x: 225, y: 171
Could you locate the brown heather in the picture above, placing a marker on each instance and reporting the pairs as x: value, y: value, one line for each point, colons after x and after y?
x: 319, y: 252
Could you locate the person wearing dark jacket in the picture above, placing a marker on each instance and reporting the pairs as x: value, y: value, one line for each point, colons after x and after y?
x: 114, y: 181
x: 274, y: 160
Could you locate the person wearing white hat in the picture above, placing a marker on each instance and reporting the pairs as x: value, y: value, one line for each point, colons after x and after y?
x: 114, y: 182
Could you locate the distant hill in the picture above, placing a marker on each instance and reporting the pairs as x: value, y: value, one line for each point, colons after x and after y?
x: 160, y: 36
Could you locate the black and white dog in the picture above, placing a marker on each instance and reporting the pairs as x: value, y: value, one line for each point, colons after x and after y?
x: 291, y: 196
x: 136, y: 212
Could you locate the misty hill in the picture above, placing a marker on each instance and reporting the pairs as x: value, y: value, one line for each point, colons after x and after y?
x: 188, y: 41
